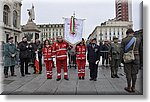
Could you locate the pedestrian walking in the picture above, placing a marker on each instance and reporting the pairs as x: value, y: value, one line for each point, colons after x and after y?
x: 10, y: 52
x: 93, y: 58
x: 130, y: 56
x: 81, y: 59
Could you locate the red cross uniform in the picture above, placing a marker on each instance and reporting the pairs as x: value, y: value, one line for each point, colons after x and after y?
x: 81, y: 59
x: 60, y: 50
x: 48, y: 54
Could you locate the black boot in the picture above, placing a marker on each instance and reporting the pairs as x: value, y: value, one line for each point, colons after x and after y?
x: 66, y: 78
x: 6, y: 76
x: 117, y: 76
x: 58, y: 79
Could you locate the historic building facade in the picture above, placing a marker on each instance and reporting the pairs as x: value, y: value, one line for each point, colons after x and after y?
x: 10, y: 19
x: 109, y: 29
x: 50, y: 31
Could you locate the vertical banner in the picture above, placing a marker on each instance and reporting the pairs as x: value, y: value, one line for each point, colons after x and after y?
x: 37, y: 64
x: 73, y: 30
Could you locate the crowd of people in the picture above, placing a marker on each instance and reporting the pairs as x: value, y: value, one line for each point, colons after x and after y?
x: 113, y: 54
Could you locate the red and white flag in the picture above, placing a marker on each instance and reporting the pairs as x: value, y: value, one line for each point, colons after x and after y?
x: 37, y: 64
x: 73, y: 30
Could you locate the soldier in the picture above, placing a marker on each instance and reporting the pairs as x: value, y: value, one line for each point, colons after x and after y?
x: 93, y: 58
x: 60, y: 50
x: 81, y: 59
x: 10, y: 52
x: 131, y: 68
x: 115, y: 57
x: 47, y: 53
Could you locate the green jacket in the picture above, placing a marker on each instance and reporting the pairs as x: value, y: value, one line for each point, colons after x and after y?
x: 136, y: 49
x: 9, y: 49
x: 115, y: 51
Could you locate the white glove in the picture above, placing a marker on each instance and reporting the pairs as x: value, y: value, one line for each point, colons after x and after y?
x: 97, y: 62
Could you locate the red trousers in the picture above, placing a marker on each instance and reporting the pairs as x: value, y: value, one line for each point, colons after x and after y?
x: 81, y: 67
x: 49, y: 66
x: 61, y: 64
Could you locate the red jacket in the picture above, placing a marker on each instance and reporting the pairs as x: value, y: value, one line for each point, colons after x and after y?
x: 47, y: 53
x: 81, y: 52
x: 60, y: 50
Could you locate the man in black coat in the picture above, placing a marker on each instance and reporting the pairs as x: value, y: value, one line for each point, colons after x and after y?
x: 93, y: 58
x: 24, y: 56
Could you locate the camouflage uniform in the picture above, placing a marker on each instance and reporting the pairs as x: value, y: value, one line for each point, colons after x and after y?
x: 115, y: 59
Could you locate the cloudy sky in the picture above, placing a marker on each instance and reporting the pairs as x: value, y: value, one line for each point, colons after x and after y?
x: 94, y: 11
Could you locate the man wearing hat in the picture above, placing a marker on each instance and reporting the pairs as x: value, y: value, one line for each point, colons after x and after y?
x: 10, y: 52
x: 115, y: 57
x: 131, y: 68
x: 60, y: 51
x: 93, y: 58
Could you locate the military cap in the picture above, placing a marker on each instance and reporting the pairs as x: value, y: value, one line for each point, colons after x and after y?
x: 129, y: 31
x: 114, y: 37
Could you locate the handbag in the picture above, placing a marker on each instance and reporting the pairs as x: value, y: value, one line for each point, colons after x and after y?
x: 129, y: 56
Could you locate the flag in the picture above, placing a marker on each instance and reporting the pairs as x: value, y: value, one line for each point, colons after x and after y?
x: 72, y: 25
x: 73, y: 29
x: 37, y: 64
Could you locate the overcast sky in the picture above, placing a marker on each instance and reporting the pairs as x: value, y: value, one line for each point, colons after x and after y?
x: 94, y: 11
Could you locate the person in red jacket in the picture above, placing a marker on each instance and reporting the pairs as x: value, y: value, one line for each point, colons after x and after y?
x: 60, y: 50
x: 81, y: 59
x: 47, y: 53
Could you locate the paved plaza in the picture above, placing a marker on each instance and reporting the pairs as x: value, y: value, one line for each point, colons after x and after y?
x: 39, y: 84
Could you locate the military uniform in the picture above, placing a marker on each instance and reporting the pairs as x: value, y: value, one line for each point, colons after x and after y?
x: 115, y: 59
x: 131, y: 69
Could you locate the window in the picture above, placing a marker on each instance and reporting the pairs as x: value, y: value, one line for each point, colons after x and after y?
x: 50, y: 35
x: 6, y: 14
x: 15, y: 19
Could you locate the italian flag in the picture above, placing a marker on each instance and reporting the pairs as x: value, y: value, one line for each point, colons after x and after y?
x: 37, y: 64
x: 72, y: 25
